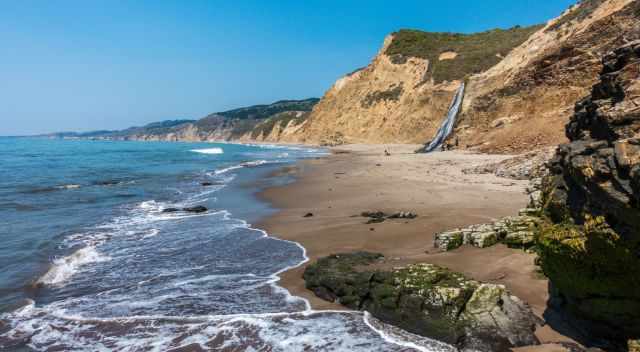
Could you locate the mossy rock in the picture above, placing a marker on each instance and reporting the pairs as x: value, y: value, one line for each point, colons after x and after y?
x: 422, y: 298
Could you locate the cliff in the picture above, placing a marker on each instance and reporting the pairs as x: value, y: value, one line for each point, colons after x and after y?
x: 590, y: 249
x: 404, y: 93
x: 524, y: 101
x: 268, y: 122
x: 521, y: 82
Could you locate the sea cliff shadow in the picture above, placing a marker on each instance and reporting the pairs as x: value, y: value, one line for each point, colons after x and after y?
x: 592, y: 336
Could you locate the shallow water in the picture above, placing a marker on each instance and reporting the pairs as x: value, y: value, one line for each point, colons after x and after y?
x: 91, y: 262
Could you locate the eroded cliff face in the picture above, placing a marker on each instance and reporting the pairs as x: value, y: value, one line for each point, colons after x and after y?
x: 524, y: 101
x: 520, y: 103
x: 591, y: 249
x: 388, y: 101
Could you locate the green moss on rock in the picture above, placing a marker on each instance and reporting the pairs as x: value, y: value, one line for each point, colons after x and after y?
x: 424, y: 299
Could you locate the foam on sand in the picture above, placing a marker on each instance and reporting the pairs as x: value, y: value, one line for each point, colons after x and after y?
x: 208, y: 151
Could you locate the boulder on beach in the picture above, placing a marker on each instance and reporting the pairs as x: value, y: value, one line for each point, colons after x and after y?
x: 426, y: 299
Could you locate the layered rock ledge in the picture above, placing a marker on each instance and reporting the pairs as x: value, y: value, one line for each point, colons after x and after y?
x: 590, y: 250
x: 426, y: 299
x: 514, y: 231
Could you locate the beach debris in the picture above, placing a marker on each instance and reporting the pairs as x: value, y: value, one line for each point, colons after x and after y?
x: 374, y: 216
x: 308, y: 215
x: 379, y: 216
x: 403, y: 215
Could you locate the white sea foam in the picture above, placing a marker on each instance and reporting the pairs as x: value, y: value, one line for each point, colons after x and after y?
x: 60, y: 325
x: 71, y: 186
x: 65, y: 267
x: 241, y: 165
x: 286, y: 332
x: 208, y: 151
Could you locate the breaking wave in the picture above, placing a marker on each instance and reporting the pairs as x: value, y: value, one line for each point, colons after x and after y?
x: 208, y: 151
x: 64, y: 268
x: 145, y: 280
x: 242, y: 165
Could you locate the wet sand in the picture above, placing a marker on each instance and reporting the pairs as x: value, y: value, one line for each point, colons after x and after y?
x: 359, y: 178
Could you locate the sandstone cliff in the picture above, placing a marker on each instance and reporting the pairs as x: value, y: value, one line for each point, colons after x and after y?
x: 404, y: 93
x: 525, y: 100
x: 521, y: 86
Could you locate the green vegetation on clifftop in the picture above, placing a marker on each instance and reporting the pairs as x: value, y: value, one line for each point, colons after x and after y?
x: 475, y: 52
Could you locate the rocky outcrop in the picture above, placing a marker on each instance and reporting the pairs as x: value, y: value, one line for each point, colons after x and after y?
x: 426, y: 299
x: 590, y: 250
x: 527, y: 166
x: 514, y: 231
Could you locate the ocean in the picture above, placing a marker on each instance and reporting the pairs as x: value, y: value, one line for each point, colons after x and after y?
x: 91, y: 262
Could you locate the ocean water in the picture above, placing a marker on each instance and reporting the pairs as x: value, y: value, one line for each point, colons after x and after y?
x: 90, y: 262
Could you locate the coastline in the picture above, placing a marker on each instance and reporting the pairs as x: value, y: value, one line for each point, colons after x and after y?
x: 358, y: 178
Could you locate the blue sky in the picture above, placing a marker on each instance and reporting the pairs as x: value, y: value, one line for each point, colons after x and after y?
x: 85, y: 65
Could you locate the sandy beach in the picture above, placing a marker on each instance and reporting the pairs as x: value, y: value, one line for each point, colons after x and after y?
x: 358, y: 178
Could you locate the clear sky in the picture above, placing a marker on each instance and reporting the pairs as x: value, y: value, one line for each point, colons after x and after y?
x: 86, y: 65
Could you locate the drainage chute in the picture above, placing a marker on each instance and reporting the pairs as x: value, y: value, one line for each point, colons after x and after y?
x: 447, y: 125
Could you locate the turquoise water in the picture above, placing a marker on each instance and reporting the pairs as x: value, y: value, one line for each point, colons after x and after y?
x: 90, y: 261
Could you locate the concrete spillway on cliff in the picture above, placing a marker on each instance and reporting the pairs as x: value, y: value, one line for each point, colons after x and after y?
x: 447, y: 125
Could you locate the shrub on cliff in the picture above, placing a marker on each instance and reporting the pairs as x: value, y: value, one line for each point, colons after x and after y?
x: 475, y: 52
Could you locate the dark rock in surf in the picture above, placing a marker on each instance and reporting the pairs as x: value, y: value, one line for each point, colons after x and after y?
x: 196, y: 209
x: 106, y: 183
x: 308, y: 215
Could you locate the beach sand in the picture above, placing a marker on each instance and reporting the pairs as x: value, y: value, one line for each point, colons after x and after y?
x: 357, y: 178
